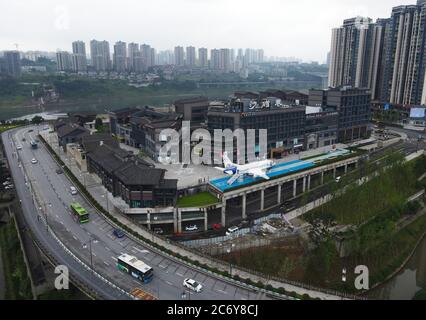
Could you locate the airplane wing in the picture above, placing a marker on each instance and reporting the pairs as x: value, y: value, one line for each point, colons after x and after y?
x: 259, y: 173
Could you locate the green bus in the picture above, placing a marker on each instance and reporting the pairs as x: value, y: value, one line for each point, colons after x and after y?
x: 81, y: 215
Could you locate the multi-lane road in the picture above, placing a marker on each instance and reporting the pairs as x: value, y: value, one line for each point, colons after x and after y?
x: 69, y: 241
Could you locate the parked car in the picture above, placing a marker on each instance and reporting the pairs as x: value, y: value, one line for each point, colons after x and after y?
x: 34, y: 161
x: 119, y: 233
x: 338, y: 179
x: 158, y: 231
x: 192, y: 285
x: 232, y: 230
x: 217, y: 226
x: 73, y: 191
x: 191, y: 228
x: 18, y: 147
x: 59, y: 171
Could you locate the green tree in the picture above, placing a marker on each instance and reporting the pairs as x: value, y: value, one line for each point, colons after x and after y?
x: 99, y: 124
x: 37, y: 120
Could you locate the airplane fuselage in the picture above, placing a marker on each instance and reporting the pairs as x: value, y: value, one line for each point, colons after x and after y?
x: 246, y: 168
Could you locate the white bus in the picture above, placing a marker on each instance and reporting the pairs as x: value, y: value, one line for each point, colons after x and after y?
x: 135, y: 267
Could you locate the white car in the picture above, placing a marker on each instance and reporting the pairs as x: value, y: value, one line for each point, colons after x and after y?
x: 191, y: 228
x: 338, y: 179
x: 34, y: 161
x: 231, y: 230
x: 18, y: 147
x: 192, y: 285
x: 73, y: 191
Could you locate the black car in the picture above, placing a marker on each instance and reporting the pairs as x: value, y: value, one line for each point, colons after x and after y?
x: 118, y: 233
x: 59, y: 171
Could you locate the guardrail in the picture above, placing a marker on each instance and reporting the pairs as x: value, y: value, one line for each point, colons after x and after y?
x: 37, y: 203
x: 194, y: 264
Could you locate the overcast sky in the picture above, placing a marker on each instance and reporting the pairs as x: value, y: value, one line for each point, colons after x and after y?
x: 300, y: 28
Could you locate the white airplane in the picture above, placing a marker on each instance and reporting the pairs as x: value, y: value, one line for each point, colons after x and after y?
x: 254, y: 169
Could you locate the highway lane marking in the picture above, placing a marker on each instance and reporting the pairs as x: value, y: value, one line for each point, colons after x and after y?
x: 169, y: 283
x: 106, y: 263
x: 221, y: 291
x: 75, y: 238
x: 141, y: 251
x: 114, y: 258
x: 108, y: 249
x: 94, y: 254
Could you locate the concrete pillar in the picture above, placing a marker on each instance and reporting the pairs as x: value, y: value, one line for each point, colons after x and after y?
x: 205, y: 219
x: 279, y: 193
x: 243, y: 206
x: 346, y: 168
x: 322, y: 177
x: 148, y: 220
x: 334, y: 172
x: 304, y: 184
x: 175, y: 220
x: 179, y: 221
x: 309, y: 182
x: 262, y: 200
x: 223, y: 217
x: 294, y: 188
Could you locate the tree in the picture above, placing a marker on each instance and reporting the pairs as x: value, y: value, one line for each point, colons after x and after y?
x: 37, y: 120
x: 99, y: 124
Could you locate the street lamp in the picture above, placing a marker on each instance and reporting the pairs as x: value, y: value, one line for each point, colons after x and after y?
x: 45, y: 214
x: 106, y: 198
x: 91, y: 254
x: 230, y: 263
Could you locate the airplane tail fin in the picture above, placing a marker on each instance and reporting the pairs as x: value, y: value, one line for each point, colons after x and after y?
x: 226, y: 161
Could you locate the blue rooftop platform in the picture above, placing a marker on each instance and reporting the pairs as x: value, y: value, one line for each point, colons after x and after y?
x: 277, y: 171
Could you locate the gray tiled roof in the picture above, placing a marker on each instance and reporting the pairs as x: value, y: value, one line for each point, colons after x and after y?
x: 136, y: 174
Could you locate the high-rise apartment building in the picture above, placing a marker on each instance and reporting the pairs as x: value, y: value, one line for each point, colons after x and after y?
x: 225, y: 60
x: 203, y: 60
x: 146, y: 56
x: 351, y: 53
x: 388, y: 56
x: 12, y: 63
x: 215, y: 59
x: 79, y: 57
x: 133, y: 52
x: 405, y: 56
x: 100, y: 54
x: 64, y: 61
x: 165, y: 57
x: 179, y: 56
x: 120, y: 56
x: 190, y: 56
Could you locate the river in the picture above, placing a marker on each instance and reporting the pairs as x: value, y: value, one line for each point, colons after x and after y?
x: 408, y: 281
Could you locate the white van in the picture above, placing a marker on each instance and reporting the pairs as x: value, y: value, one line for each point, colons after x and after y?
x: 231, y: 230
x: 73, y: 191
